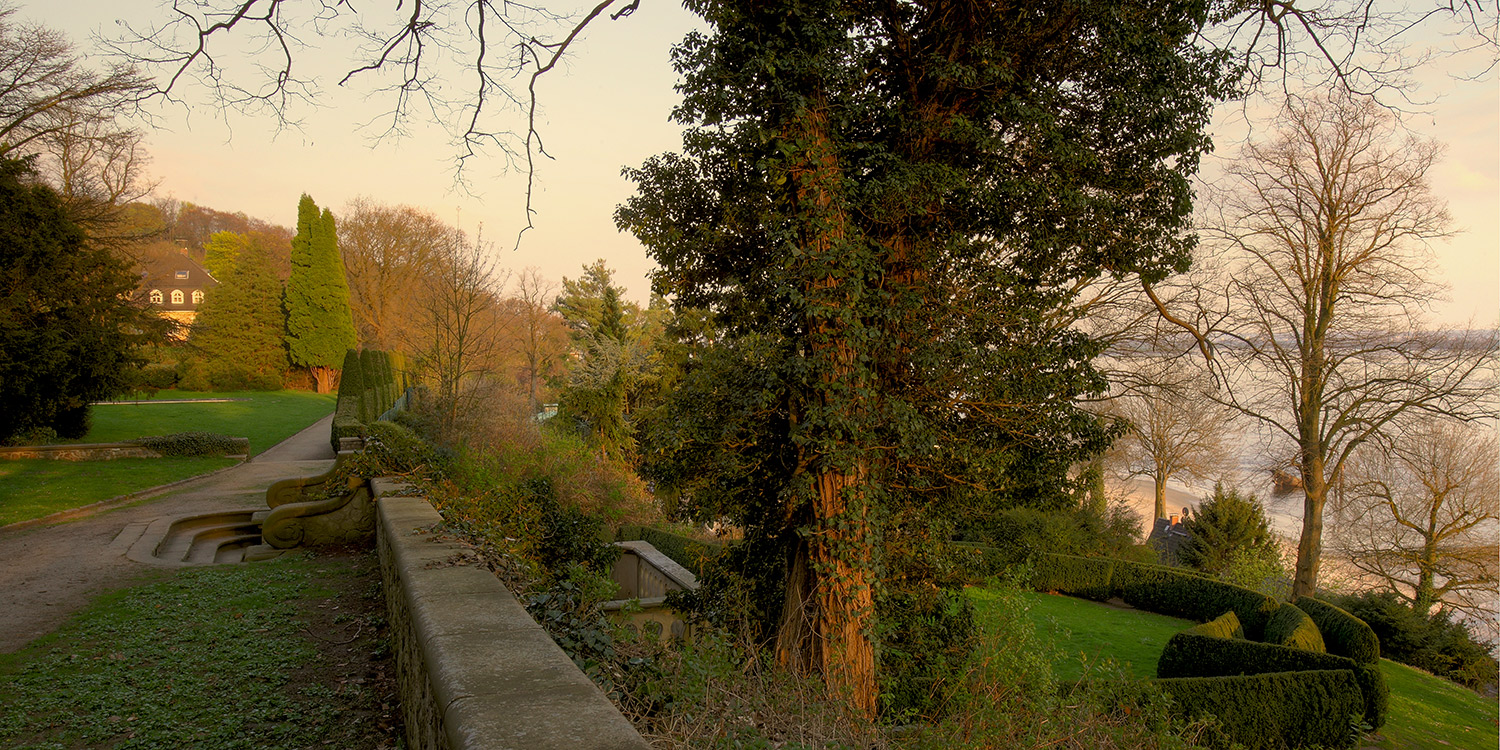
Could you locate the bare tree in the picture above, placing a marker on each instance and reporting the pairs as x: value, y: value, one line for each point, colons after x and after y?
x: 459, y: 341
x: 388, y: 251
x: 1176, y: 429
x: 1322, y: 337
x: 1419, y: 513
x: 541, y: 336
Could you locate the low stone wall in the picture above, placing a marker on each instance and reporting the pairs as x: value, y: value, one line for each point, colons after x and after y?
x: 80, y: 452
x: 474, y: 670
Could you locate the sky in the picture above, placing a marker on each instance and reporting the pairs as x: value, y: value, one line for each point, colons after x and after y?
x: 607, y: 107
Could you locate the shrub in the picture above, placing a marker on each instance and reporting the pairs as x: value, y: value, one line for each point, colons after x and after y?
x: 1225, y: 626
x: 73, y: 423
x: 1088, y: 577
x: 1273, y: 710
x: 1291, y: 627
x: 1023, y: 533
x: 1223, y: 525
x: 1343, y: 633
x: 1433, y: 643
x: 1180, y: 593
x: 391, y: 448
x: 927, y: 637
x: 1189, y: 654
x: 194, y: 444
x: 978, y: 562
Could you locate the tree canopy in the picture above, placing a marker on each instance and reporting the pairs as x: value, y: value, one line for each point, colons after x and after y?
x: 70, y: 323
x: 240, y: 329
x: 882, y: 206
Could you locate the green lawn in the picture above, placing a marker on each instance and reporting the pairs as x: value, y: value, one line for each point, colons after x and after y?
x: 1426, y: 711
x: 1087, y: 631
x: 32, y: 488
x: 210, y: 658
x: 267, y: 418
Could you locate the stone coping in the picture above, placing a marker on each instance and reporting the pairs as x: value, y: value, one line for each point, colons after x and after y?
x: 96, y: 451
x: 668, y: 567
x: 476, y: 671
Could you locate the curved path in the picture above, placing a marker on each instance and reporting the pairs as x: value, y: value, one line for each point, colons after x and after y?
x: 49, y: 572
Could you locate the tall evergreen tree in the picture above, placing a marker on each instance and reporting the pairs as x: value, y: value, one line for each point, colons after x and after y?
x: 885, y: 205
x: 70, y: 325
x: 240, y: 328
x: 319, y: 325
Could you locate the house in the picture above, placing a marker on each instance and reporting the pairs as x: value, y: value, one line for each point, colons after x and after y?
x: 175, y: 285
x: 1168, y: 536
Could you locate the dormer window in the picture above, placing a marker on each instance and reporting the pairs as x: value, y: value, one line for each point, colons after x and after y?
x: 177, y: 296
x: 197, y: 296
x: 182, y: 274
x: 156, y: 297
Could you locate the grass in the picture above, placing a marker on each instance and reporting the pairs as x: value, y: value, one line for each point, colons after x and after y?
x: 33, y: 488
x: 36, y: 487
x: 1428, y: 712
x: 1086, y: 631
x: 266, y: 417
x: 1425, y: 711
x: 212, y: 658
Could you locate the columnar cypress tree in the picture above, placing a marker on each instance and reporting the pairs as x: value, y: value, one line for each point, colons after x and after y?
x: 320, y: 328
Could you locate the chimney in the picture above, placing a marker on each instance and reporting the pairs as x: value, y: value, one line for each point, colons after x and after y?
x: 1174, y: 519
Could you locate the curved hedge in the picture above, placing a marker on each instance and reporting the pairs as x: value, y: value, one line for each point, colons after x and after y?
x: 1343, y: 633
x: 367, y: 389
x: 1224, y: 626
x: 1292, y: 627
x: 1172, y: 591
x: 1291, y: 708
x: 1088, y: 577
x: 1195, y: 654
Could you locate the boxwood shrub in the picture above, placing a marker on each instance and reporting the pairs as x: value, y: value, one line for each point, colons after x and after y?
x: 1343, y: 633
x: 1088, y: 577
x: 1274, y: 710
x: 195, y: 444
x: 1291, y: 627
x: 1190, y: 654
x: 1226, y: 626
x: 1176, y: 592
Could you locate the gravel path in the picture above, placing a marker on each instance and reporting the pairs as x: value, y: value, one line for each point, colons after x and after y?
x: 49, y: 572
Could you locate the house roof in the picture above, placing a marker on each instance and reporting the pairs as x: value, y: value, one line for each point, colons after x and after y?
x: 173, y: 270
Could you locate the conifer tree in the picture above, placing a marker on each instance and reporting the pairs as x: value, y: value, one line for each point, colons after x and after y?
x: 239, y: 327
x: 319, y: 326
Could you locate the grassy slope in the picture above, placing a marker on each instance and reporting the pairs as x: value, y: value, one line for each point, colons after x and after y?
x: 32, y: 488
x: 1085, y: 630
x: 1426, y: 711
x: 208, y: 658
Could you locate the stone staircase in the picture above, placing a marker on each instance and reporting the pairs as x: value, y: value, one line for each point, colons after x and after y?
x: 206, y: 539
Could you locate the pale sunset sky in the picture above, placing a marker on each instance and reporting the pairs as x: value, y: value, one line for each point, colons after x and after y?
x: 607, y: 107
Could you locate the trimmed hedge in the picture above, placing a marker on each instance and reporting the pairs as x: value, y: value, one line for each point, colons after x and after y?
x: 1276, y: 709
x: 1291, y: 627
x: 685, y: 551
x: 1088, y: 577
x: 1190, y: 654
x: 1343, y: 633
x: 1225, y: 626
x: 979, y: 561
x: 367, y: 389
x: 1172, y: 591
x: 195, y: 444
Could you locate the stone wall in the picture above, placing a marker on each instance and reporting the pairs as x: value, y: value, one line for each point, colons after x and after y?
x: 474, y: 670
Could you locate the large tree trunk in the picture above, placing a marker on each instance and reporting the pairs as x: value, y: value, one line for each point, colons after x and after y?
x: 322, y: 379
x: 1161, y: 495
x: 828, y: 618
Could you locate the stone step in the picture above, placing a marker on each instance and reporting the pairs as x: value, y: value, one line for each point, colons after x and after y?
x: 204, y: 545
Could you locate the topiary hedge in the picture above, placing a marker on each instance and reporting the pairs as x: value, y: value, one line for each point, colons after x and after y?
x: 195, y: 444
x: 1343, y: 633
x: 1273, y: 710
x: 1225, y: 626
x: 1088, y: 577
x: 1195, y: 654
x: 685, y: 551
x: 1173, y: 591
x: 1291, y: 627
x: 367, y: 389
